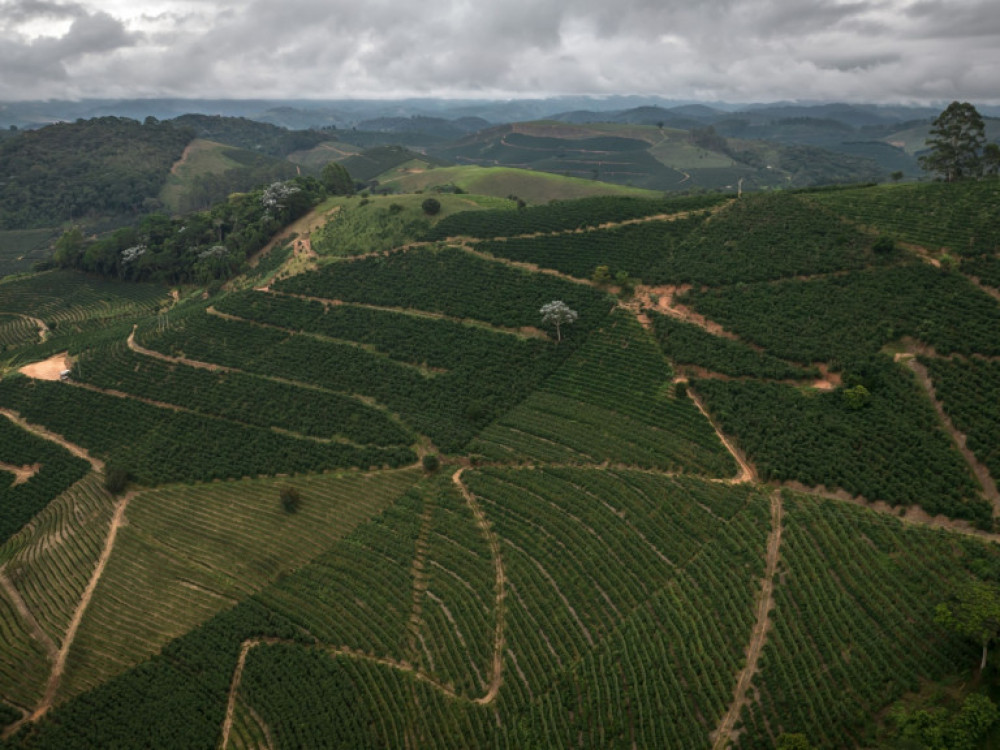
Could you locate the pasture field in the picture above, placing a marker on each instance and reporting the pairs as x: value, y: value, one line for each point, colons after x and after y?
x: 369, y: 498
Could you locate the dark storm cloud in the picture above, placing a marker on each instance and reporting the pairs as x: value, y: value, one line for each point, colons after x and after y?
x: 31, y: 66
x: 876, y: 50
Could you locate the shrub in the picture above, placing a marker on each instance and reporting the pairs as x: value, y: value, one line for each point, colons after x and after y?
x: 431, y: 463
x: 290, y: 499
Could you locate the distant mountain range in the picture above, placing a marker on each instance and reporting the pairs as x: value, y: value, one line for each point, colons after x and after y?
x: 306, y: 114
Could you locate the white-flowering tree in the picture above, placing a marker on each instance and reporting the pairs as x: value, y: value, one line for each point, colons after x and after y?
x: 276, y: 193
x: 557, y: 313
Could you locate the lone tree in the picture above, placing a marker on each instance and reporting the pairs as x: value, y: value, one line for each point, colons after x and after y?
x: 290, y: 499
x: 431, y: 206
x: 974, y: 613
x: 956, y: 139
x: 336, y: 179
x: 557, y: 313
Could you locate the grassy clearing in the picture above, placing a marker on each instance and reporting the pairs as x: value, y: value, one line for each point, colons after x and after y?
x: 202, y: 157
x: 188, y: 552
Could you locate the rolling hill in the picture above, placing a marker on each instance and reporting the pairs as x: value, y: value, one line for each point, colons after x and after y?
x: 371, y: 500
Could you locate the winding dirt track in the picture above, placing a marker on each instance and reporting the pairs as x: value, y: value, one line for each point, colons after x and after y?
x: 765, y: 602
x: 55, y: 677
x: 747, y: 473
x: 496, y: 678
x: 42, y: 432
x: 981, y: 472
x: 51, y: 650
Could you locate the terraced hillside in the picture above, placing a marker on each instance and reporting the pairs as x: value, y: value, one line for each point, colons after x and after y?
x: 379, y: 502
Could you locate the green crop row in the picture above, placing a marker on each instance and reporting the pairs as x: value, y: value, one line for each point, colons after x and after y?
x: 55, y: 469
x: 563, y: 215
x: 632, y: 248
x: 687, y: 344
x: 960, y: 217
x: 838, y: 318
x: 765, y: 237
x: 239, y: 397
x: 450, y: 282
x: 888, y: 445
x: 856, y: 592
x: 610, y: 401
x: 969, y: 390
x: 159, y: 445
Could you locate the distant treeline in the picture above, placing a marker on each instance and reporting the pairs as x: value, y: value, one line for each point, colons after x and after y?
x: 109, y: 166
x: 199, y: 247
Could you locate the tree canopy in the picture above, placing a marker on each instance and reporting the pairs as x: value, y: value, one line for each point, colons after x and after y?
x: 973, y: 613
x: 956, y: 140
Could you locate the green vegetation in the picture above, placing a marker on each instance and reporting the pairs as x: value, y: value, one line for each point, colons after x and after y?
x: 201, y: 247
x: 860, y: 313
x: 450, y: 282
x: 634, y: 248
x: 210, y: 172
x: 564, y: 215
x: 960, y: 218
x: 20, y: 250
x: 528, y: 185
x: 49, y: 563
x: 765, y: 237
x: 956, y: 139
x: 360, y: 229
x: 816, y: 438
x: 71, y: 303
x: 857, y: 590
x: 986, y: 268
x: 969, y: 390
x: 609, y: 402
x: 370, y: 164
x: 472, y: 374
x: 160, y: 445
x: 107, y: 167
x: 687, y: 344
x: 251, y: 135
x: 238, y: 397
x: 49, y: 470
x: 387, y: 501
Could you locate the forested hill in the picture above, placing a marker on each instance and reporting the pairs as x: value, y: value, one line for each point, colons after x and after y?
x: 261, y: 137
x: 109, y: 167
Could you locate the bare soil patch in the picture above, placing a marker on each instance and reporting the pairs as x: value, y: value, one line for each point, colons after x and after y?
x: 47, y: 369
x: 21, y: 473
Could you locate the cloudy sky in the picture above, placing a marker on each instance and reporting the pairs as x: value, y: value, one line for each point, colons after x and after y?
x: 910, y: 51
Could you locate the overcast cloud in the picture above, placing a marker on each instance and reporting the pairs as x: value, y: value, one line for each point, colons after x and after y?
x: 910, y: 51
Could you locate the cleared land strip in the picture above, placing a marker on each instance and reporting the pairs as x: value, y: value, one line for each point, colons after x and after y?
x: 42, y: 432
x: 981, y: 472
x: 765, y: 603
x: 496, y: 679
